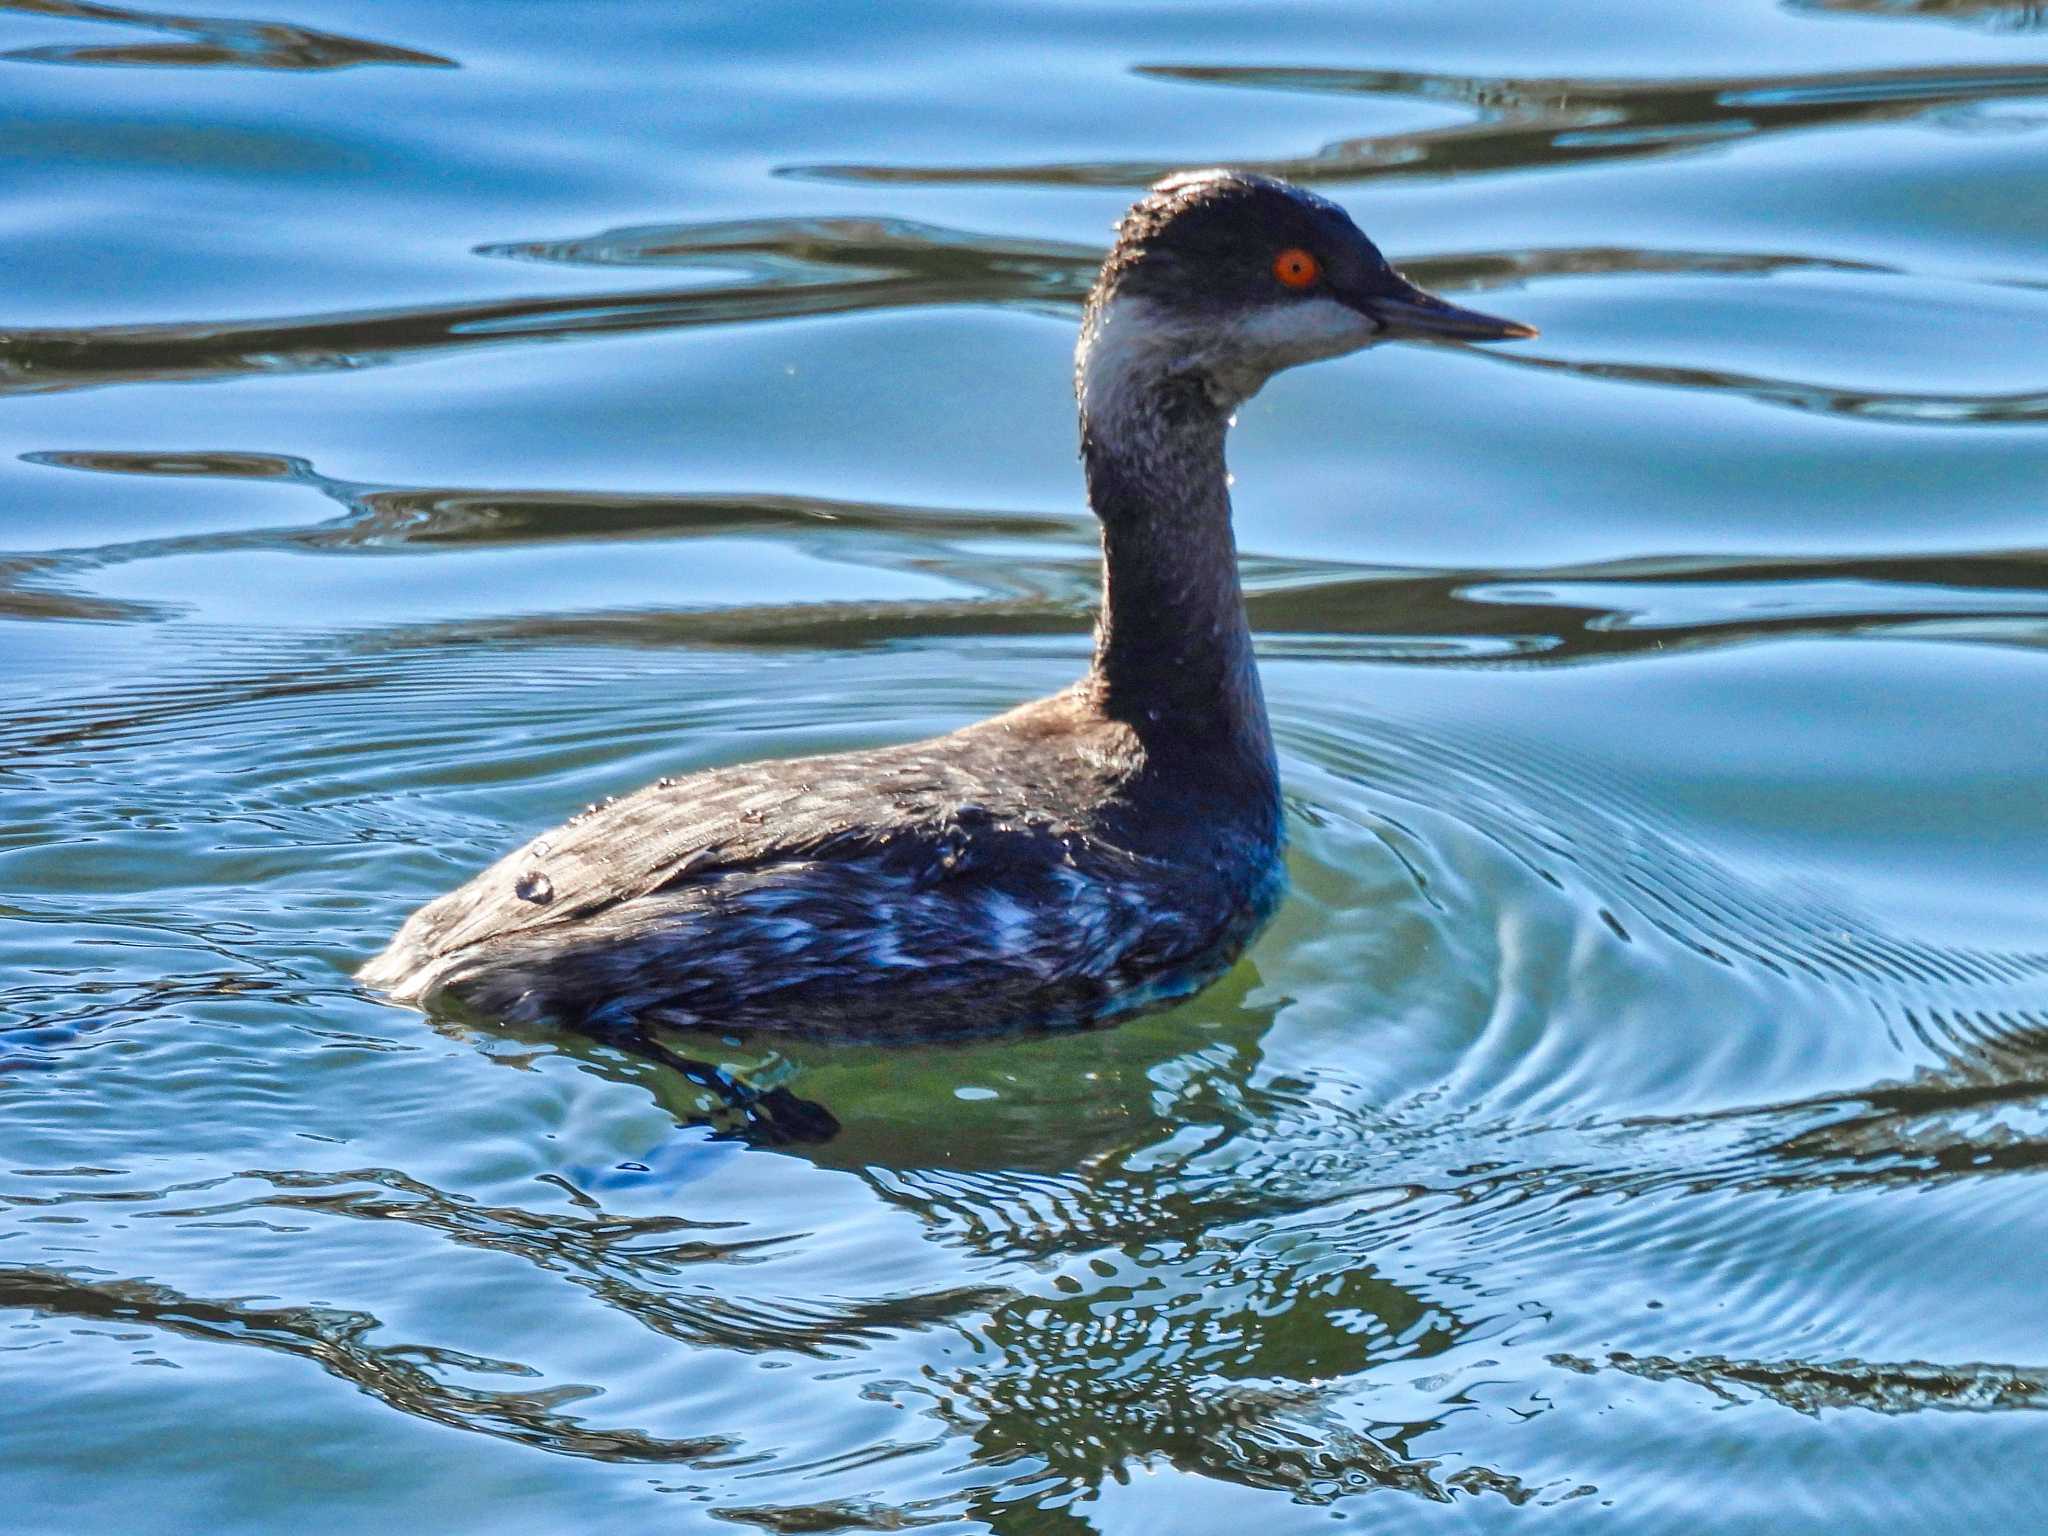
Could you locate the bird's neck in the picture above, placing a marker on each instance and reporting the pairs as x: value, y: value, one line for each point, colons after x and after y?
x: 1173, y: 650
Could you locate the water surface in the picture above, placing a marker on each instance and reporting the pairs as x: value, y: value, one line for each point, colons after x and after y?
x: 416, y: 422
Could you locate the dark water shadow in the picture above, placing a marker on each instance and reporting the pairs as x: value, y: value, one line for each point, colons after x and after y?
x: 1980, y: 1111
x: 382, y: 517
x: 402, y: 1377
x: 1986, y: 15
x: 1814, y: 1387
x: 1645, y: 607
x: 209, y: 42
x: 385, y: 520
x: 1522, y: 123
x: 797, y: 252
x: 797, y: 268
x: 1906, y: 407
x: 1531, y: 617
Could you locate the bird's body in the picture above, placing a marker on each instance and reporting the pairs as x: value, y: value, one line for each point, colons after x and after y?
x: 994, y: 879
x: 1061, y: 865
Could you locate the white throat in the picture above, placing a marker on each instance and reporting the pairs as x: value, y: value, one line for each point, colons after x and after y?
x: 1128, y: 349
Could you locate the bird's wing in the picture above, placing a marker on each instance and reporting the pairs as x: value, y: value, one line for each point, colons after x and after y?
x: 684, y: 829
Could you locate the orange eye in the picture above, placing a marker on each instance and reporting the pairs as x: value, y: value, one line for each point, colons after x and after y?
x: 1295, y: 268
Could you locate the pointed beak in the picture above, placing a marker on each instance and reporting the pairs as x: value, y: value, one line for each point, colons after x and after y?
x: 1415, y: 315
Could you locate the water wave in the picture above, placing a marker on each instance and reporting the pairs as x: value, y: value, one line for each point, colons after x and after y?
x: 1520, y: 123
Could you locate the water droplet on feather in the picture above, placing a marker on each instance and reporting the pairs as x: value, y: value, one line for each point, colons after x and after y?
x: 535, y: 887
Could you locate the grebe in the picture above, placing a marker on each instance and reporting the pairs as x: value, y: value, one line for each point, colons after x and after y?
x: 1067, y: 863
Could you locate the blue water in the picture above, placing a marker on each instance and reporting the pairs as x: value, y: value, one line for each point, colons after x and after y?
x: 1633, y: 1121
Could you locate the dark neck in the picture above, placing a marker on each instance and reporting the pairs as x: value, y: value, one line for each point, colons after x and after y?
x: 1173, y: 652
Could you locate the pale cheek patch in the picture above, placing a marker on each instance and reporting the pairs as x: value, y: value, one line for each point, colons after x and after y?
x: 1248, y: 350
x: 1132, y: 344
x: 1303, y: 330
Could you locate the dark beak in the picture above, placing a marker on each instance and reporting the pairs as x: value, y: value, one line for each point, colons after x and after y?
x: 1411, y: 314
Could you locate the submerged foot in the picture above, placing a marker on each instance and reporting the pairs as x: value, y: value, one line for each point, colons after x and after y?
x: 758, y: 1116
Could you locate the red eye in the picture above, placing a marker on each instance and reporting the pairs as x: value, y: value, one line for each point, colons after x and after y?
x: 1296, y: 268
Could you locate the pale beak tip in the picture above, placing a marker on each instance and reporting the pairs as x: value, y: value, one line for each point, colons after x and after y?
x: 1514, y: 330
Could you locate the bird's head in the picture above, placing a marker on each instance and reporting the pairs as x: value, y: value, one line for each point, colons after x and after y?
x: 1220, y: 279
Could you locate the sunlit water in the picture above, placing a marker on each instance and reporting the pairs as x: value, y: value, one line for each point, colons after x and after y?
x: 417, y: 421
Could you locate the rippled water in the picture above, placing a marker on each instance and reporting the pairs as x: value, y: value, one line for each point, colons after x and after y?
x: 1635, y: 1118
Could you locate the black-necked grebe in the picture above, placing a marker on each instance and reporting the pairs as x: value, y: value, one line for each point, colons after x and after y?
x: 1066, y: 863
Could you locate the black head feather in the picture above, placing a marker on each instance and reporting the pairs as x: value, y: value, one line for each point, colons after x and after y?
x: 1206, y: 240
